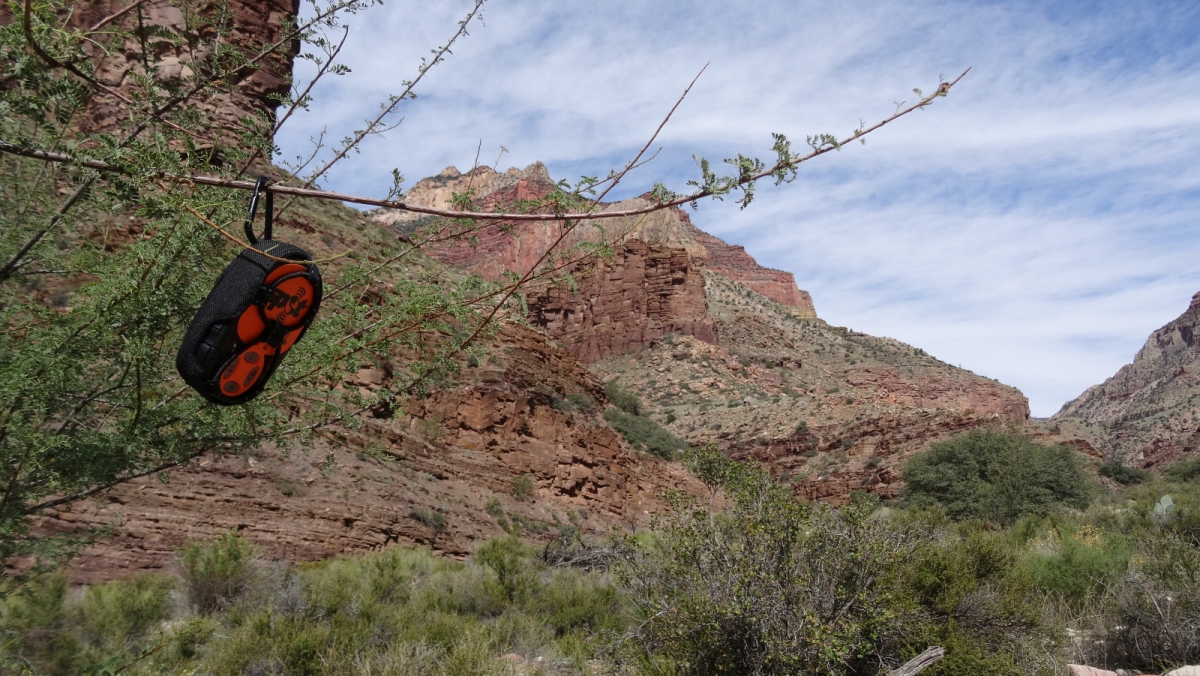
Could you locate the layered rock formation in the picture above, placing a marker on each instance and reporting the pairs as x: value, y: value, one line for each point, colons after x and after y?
x: 733, y: 262
x: 828, y: 410
x: 517, y: 247
x: 455, y: 454
x: 625, y: 303
x: 1149, y: 412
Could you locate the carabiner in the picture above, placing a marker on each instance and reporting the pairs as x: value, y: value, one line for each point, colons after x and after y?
x: 268, y: 213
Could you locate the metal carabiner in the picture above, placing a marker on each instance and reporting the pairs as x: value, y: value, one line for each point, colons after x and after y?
x: 268, y: 212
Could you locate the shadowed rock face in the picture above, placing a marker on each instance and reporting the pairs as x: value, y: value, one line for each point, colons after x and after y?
x: 1148, y: 411
x: 255, y: 25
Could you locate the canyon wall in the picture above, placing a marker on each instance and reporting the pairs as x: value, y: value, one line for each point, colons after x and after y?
x: 1147, y: 412
x: 516, y: 247
x: 457, y: 454
x: 624, y: 303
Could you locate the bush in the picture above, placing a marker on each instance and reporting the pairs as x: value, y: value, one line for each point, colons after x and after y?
x: 581, y: 401
x: 216, y: 571
x: 995, y: 477
x: 432, y: 518
x: 642, y: 432
x: 1124, y: 474
x: 509, y: 560
x: 119, y: 614
x: 1188, y: 470
x: 626, y: 401
x: 1076, y: 565
x: 769, y: 587
x: 522, y: 487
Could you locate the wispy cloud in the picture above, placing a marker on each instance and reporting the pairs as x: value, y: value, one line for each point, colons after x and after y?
x: 1033, y: 227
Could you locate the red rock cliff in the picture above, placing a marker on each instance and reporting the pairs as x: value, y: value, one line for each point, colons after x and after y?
x: 732, y: 261
x: 498, y: 248
x: 624, y: 303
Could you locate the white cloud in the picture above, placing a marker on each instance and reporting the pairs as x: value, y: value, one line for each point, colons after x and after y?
x: 1035, y: 226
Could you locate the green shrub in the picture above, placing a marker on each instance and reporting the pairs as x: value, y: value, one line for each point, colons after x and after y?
x: 581, y: 401
x: 1076, y: 565
x: 1188, y: 470
x: 1124, y: 474
x: 215, y: 572
x: 996, y: 477
x: 120, y: 613
x: 510, y: 561
x: 769, y: 586
x: 494, y: 507
x: 432, y: 518
x: 642, y: 432
x: 522, y: 487
x: 626, y: 401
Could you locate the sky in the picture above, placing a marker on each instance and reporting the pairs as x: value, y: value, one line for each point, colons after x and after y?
x: 1034, y: 227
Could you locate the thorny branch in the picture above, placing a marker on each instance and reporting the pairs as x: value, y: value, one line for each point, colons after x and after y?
x: 281, y: 189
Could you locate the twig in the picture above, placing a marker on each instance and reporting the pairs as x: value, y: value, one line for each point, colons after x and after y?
x: 113, y: 17
x: 920, y: 662
x: 278, y: 189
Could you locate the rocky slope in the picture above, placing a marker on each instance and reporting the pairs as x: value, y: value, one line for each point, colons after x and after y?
x: 496, y: 250
x: 492, y: 454
x: 829, y: 410
x: 1149, y: 412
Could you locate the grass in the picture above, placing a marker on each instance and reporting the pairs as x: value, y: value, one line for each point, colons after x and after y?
x: 400, y: 611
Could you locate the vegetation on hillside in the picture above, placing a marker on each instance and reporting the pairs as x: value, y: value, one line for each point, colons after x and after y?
x: 639, y: 430
x: 752, y: 582
x: 996, y: 477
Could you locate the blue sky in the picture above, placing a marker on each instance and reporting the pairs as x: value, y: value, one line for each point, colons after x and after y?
x: 1033, y: 227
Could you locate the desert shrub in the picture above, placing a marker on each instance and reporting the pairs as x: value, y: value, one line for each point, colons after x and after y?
x: 768, y: 587
x: 121, y: 613
x: 996, y: 477
x: 432, y: 518
x: 581, y: 401
x: 51, y: 631
x: 522, y: 487
x: 1076, y: 565
x: 1188, y: 470
x: 626, y: 401
x: 509, y: 561
x: 561, y: 404
x: 216, y: 571
x: 642, y: 432
x: 1152, y: 618
x: 494, y: 507
x: 1124, y: 474
x: 35, y: 623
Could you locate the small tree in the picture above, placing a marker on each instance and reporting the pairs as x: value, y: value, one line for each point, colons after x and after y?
x: 996, y: 476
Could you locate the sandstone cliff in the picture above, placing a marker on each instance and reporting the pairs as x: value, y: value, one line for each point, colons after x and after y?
x: 496, y: 249
x: 456, y: 454
x: 1147, y: 413
x: 622, y: 304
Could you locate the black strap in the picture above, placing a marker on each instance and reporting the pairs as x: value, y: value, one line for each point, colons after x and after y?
x: 268, y: 214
